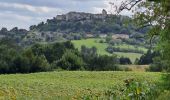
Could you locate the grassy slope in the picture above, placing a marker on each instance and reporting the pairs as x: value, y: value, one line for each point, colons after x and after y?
x: 101, y: 48
x: 64, y: 85
x: 90, y: 43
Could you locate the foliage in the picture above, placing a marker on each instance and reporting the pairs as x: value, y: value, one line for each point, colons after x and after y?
x: 67, y: 84
x: 98, y: 62
x: 124, y: 60
x: 156, y: 12
x: 112, y: 49
x: 94, y: 42
x: 148, y: 57
x: 134, y: 90
x: 71, y: 61
x: 36, y: 58
x: 105, y: 63
x: 14, y: 34
x: 112, y: 24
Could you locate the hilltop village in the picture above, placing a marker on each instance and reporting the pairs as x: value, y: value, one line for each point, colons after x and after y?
x: 82, y: 16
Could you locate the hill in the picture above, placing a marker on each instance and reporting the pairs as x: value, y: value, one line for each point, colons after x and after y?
x: 75, y: 26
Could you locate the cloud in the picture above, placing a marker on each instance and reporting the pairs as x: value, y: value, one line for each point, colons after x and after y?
x: 11, y: 20
x: 23, y: 13
x: 27, y: 7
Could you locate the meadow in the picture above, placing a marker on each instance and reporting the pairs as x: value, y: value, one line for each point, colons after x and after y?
x: 102, y: 46
x: 64, y: 85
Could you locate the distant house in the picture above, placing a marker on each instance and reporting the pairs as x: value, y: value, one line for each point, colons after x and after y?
x: 103, y: 35
x: 82, y: 16
x: 89, y: 35
x: 120, y: 36
x: 61, y: 17
x: 2, y: 36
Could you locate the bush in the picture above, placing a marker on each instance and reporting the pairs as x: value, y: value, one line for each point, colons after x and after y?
x: 101, y: 41
x: 134, y: 90
x: 148, y: 58
x: 125, y: 61
x: 112, y: 49
x: 128, y: 69
x: 40, y: 63
x: 105, y: 63
x: 70, y: 61
x: 22, y: 64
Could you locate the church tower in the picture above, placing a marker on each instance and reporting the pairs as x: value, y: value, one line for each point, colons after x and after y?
x: 104, y: 12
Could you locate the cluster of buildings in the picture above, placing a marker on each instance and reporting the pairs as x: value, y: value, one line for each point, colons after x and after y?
x: 82, y: 16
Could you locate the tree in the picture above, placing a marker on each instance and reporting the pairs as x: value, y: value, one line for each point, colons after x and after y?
x: 40, y: 64
x: 71, y: 61
x: 88, y: 55
x: 124, y: 60
x: 105, y: 63
x: 22, y: 64
x: 3, y: 31
x: 156, y: 14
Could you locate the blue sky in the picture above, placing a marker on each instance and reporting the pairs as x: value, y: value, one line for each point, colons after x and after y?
x: 23, y: 13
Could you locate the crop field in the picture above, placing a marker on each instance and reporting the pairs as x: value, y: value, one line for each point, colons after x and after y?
x: 64, y: 85
x: 102, y: 46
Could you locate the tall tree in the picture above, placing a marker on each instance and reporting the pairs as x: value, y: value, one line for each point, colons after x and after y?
x: 156, y: 15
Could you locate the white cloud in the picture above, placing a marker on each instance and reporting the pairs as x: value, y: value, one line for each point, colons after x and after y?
x: 10, y: 20
x: 35, y: 9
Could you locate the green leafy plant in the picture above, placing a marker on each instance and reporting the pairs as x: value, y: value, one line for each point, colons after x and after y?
x: 134, y: 90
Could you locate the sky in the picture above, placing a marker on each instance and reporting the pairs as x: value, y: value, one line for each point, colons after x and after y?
x: 23, y: 13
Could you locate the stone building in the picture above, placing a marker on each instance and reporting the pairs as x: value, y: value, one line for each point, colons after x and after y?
x: 82, y: 16
x: 61, y: 17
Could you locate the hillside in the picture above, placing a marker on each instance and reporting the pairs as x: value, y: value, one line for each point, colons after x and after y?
x: 102, y: 46
x: 76, y: 26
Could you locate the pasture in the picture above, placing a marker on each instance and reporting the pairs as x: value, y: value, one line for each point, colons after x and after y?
x: 102, y: 46
x: 66, y: 85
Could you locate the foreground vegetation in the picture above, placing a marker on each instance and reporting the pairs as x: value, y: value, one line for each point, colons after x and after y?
x: 68, y: 85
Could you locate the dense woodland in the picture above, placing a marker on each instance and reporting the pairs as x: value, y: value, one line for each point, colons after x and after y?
x: 48, y: 57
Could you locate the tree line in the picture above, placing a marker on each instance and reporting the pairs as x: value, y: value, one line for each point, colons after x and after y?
x: 49, y: 57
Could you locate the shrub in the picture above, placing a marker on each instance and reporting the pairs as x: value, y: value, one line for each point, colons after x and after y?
x: 133, y: 90
x: 40, y: 64
x: 124, y: 60
x: 70, y: 61
x: 128, y: 69
x: 105, y: 63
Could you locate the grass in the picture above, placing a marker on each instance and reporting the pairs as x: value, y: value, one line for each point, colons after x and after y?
x: 65, y: 84
x: 90, y: 43
x: 126, y: 46
x: 135, y: 68
x: 102, y: 46
x: 132, y: 56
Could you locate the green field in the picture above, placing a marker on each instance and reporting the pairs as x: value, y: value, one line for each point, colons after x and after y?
x: 125, y: 46
x: 65, y: 85
x: 90, y: 43
x: 102, y: 46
